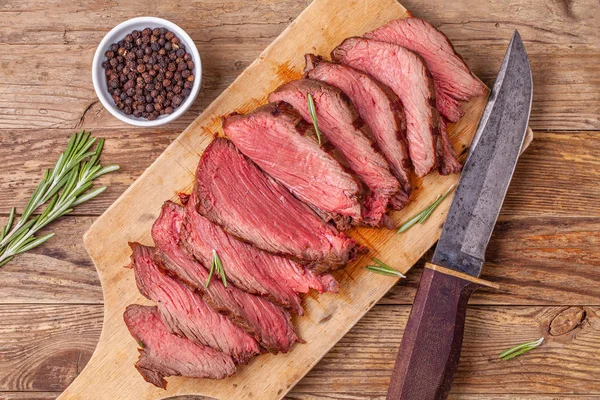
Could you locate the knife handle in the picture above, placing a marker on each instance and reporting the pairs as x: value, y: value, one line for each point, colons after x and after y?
x: 433, y: 337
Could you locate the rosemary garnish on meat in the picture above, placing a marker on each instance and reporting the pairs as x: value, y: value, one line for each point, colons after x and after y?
x: 383, y: 269
x: 63, y: 187
x: 313, y: 115
x: 216, y: 265
x: 424, y: 214
x: 520, y: 349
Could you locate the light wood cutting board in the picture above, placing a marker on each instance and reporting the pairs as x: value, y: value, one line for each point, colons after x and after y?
x: 110, y: 374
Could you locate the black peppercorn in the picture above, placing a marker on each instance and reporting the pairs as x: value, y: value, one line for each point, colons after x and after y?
x: 148, y: 73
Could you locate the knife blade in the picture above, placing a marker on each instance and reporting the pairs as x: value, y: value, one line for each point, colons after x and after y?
x: 489, y: 167
x: 432, y: 340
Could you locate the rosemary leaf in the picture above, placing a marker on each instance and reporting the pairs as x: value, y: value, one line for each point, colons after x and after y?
x: 313, y: 115
x: 520, y: 349
x: 424, y: 214
x: 11, y: 218
x: 216, y: 265
x: 411, y: 222
x: 69, y: 183
x: 211, y: 271
x: 383, y: 269
x: 220, y: 269
x: 34, y: 243
x: 6, y: 261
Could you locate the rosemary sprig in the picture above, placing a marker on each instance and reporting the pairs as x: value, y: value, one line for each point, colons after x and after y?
x: 383, y: 269
x: 313, y: 115
x: 63, y: 187
x: 424, y: 214
x: 520, y: 349
x: 216, y: 265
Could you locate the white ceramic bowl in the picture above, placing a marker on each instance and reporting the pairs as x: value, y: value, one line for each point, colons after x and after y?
x: 118, y: 33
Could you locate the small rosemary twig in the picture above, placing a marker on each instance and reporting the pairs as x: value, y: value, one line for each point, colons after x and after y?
x: 313, y: 115
x: 424, y: 214
x: 63, y: 187
x: 520, y: 349
x: 383, y: 269
x: 216, y: 265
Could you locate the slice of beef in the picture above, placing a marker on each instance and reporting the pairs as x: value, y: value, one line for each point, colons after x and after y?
x: 164, y: 354
x: 282, y: 144
x: 235, y: 194
x: 201, y: 238
x: 285, y: 271
x: 251, y: 269
x: 268, y: 323
x: 339, y: 121
x: 378, y: 106
x: 454, y: 82
x: 450, y: 163
x: 405, y: 73
x: 185, y: 313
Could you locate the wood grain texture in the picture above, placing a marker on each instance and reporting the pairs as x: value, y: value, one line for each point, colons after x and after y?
x: 358, y: 367
x: 51, y: 91
x: 532, y: 191
x: 331, y: 396
x: 536, y: 260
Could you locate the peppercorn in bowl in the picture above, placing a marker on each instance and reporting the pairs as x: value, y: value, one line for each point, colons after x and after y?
x: 147, y: 71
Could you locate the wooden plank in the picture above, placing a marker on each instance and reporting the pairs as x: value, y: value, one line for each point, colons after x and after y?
x: 537, y: 261
x: 29, y: 395
x: 44, y: 347
x: 60, y: 271
x: 565, y: 258
x: 359, y: 365
x: 331, y: 396
x: 51, y: 91
x: 26, y: 154
x: 532, y: 193
x: 362, y: 361
x: 381, y: 396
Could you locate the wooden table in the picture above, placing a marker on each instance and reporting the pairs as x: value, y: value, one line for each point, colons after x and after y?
x: 544, y: 253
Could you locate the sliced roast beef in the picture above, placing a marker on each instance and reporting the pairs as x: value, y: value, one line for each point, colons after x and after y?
x: 282, y: 144
x: 197, y: 236
x: 185, y: 313
x: 378, y: 106
x: 454, y: 82
x: 339, y: 121
x: 165, y: 354
x: 449, y: 163
x: 269, y: 324
x: 405, y: 73
x: 235, y: 194
x: 201, y: 238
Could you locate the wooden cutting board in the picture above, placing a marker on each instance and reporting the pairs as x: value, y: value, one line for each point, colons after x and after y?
x: 110, y: 374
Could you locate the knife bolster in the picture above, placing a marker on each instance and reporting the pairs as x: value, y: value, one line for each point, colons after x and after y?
x: 461, y: 275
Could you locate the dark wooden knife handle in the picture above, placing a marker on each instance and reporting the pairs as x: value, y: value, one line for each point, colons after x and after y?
x: 433, y: 337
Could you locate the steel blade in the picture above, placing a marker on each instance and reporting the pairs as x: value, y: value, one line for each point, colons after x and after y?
x: 489, y: 167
